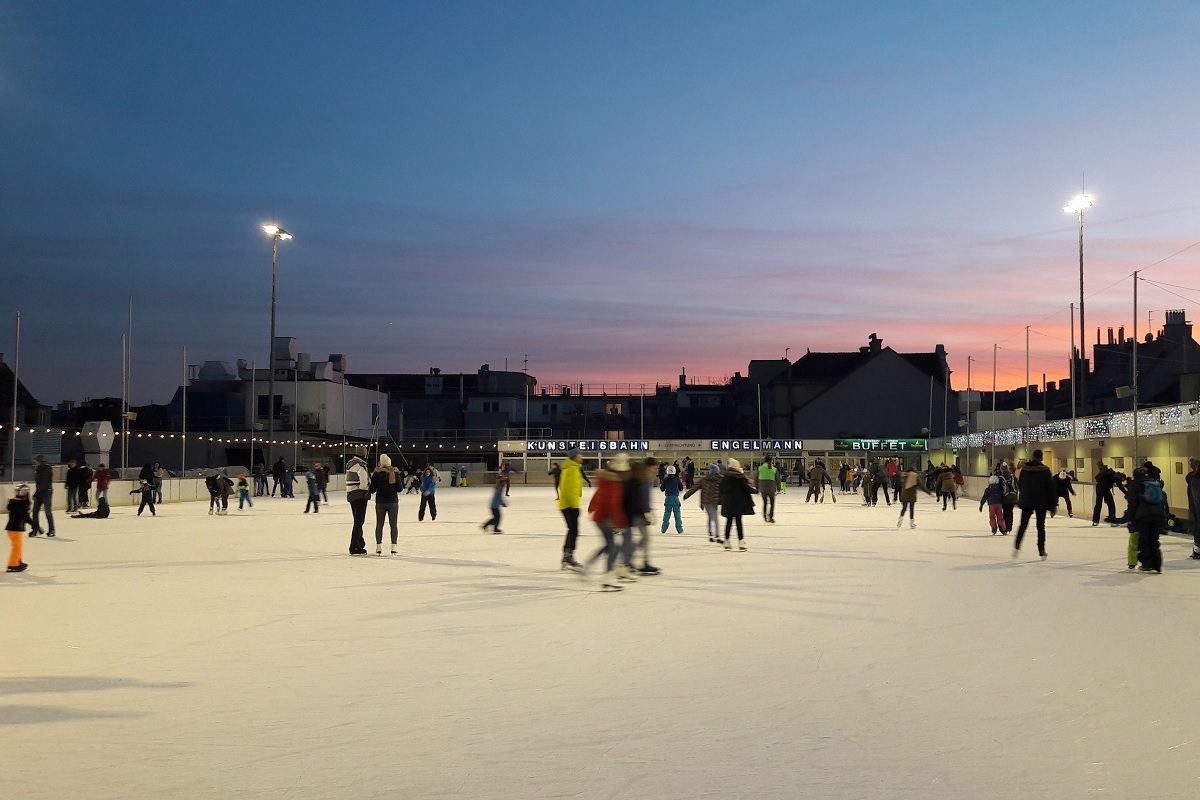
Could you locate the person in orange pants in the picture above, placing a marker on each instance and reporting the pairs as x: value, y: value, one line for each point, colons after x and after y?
x: 18, y: 518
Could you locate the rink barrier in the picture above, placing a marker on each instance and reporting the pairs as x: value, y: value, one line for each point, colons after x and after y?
x: 174, y: 490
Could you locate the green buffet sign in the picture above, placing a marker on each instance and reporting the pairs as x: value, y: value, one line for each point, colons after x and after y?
x: 879, y: 444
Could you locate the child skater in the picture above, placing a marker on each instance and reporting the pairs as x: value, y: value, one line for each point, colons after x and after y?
x: 147, y: 491
x: 497, y: 503
x: 243, y: 488
x: 908, y: 496
x: 993, y: 497
x: 18, y: 518
x: 314, y: 492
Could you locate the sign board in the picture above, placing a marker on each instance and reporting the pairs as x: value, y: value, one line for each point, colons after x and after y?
x: 737, y: 445
x: 588, y: 445
x: 880, y: 444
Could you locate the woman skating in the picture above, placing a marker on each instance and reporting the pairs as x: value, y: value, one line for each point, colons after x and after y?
x: 736, y: 501
x: 428, y: 488
x: 608, y: 512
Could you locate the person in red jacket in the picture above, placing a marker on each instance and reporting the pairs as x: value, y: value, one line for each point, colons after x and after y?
x: 102, y: 477
x: 608, y: 512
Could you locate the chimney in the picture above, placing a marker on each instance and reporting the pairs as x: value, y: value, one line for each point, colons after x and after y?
x: 1097, y: 336
x: 876, y: 344
x: 1121, y: 335
x: 1110, y: 336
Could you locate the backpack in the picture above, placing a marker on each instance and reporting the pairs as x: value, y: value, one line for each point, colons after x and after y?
x: 1152, y: 494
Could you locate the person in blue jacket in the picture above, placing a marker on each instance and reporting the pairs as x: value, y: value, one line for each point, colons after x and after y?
x: 428, y: 487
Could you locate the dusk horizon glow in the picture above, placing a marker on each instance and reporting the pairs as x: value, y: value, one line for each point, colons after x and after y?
x: 617, y: 191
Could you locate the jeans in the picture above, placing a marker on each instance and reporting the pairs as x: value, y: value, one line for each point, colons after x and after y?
x: 671, y: 508
x: 358, y: 508
x: 72, y: 499
x: 42, y: 499
x: 643, y: 543
x: 1026, y: 513
x: 244, y: 497
x: 714, y: 522
x: 158, y: 493
x: 387, y: 511
x: 951, y: 497
x: 314, y: 502
x: 608, y: 549
x: 571, y: 516
x: 768, y: 499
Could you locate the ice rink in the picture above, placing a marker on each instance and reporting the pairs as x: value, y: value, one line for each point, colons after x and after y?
x: 248, y: 656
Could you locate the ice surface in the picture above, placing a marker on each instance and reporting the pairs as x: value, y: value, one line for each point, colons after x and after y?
x: 248, y: 656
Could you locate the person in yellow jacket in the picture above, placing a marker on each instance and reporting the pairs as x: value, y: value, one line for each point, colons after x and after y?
x: 570, y: 497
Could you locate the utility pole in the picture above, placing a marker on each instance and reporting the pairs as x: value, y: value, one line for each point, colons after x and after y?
x: 1135, y: 369
x: 969, y: 360
x: 995, y: 348
x: 12, y: 433
x: 1074, y: 415
x: 183, y: 417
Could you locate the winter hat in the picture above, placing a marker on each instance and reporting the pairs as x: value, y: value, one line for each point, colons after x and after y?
x: 22, y: 490
x: 670, y: 470
x: 713, y: 469
x: 734, y: 465
x: 574, y: 451
x: 385, y: 460
x: 994, y: 480
x: 619, y: 462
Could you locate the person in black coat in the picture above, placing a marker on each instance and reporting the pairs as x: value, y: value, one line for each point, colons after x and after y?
x: 1037, y: 496
x: 1146, y: 518
x: 1063, y: 490
x: 1106, y: 481
x: 736, y: 502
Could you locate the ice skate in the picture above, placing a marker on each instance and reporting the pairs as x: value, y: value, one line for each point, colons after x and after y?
x: 899, y: 521
x: 728, y: 545
x: 912, y: 524
x: 395, y: 552
x: 569, y: 563
x: 742, y: 546
x: 19, y: 567
x: 378, y: 549
x: 625, y: 573
x: 649, y: 569
x: 1042, y: 555
x: 609, y: 583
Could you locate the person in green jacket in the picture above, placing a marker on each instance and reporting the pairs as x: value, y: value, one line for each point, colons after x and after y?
x: 570, y: 496
x: 768, y: 484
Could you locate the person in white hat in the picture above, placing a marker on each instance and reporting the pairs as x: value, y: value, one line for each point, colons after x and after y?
x: 736, y: 501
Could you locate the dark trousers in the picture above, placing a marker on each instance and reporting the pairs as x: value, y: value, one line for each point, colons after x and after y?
x: 358, y: 508
x: 876, y: 488
x: 147, y: 500
x: 768, y: 501
x: 386, y: 511
x: 314, y: 502
x: 42, y: 499
x: 278, y: 484
x: 1194, y: 521
x: 324, y: 496
x: 72, y: 498
x: 1107, y: 499
x: 1008, y: 516
x: 1149, y: 552
x: 427, y: 501
x: 83, y: 500
x: 1066, y: 497
x: 730, y: 522
x: 214, y: 500
x: 571, y: 515
x: 907, y: 504
x: 1026, y: 513
x: 951, y: 497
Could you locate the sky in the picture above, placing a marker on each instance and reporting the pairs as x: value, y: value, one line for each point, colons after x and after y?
x: 614, y: 189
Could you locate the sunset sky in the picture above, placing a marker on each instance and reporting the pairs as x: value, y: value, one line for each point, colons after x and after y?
x: 616, y: 189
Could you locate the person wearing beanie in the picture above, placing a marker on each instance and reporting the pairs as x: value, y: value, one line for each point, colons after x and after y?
x: 18, y: 518
x: 736, y: 501
x: 1036, y: 498
x: 671, y: 487
x: 993, y: 498
x: 569, y: 486
x: 1148, y: 510
x: 709, y: 487
x: 608, y: 512
x: 768, y: 484
x: 385, y: 485
x: 358, y: 494
x: 314, y: 491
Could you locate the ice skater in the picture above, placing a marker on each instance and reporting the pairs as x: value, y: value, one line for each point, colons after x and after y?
x: 709, y: 487
x: 243, y: 490
x: 671, y: 488
x: 1148, y: 509
x: 314, y: 491
x: 993, y: 498
x: 214, y: 493
x: 146, y: 488
x: 608, y: 512
x: 1193, y: 498
x: 736, y: 501
x: 910, y: 481
x: 570, y: 497
x: 225, y: 487
x: 768, y: 486
x: 358, y: 495
x: 1063, y: 491
x: 496, y: 503
x: 428, y: 499
x: 1036, y: 499
x: 18, y: 518
x: 637, y: 511
x: 948, y: 488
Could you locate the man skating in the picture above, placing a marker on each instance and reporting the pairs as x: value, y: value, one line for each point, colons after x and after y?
x: 1037, y: 497
x: 570, y: 497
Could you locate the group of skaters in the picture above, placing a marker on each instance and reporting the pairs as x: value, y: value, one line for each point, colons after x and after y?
x: 384, y: 484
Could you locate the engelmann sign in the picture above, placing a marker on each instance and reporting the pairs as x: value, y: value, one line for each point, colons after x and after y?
x: 723, y: 445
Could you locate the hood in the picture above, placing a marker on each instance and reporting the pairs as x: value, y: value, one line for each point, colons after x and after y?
x: 355, y: 461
